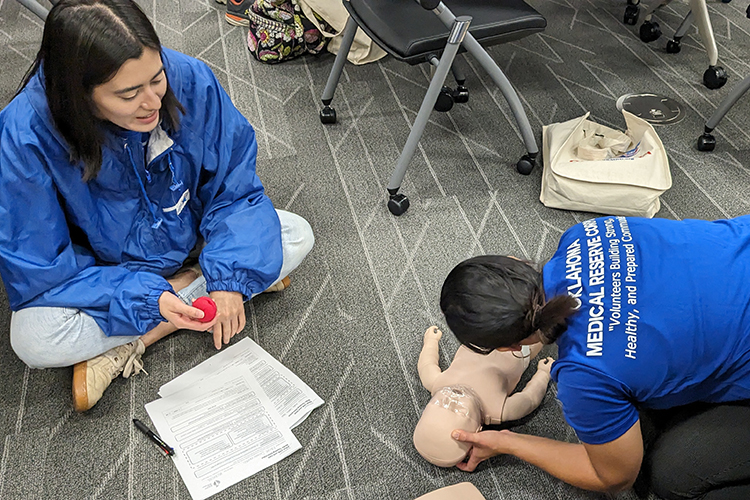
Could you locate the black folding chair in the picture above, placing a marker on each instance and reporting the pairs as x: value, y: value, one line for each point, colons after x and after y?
x: 408, y: 31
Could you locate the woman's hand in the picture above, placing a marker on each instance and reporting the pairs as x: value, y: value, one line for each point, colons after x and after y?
x: 484, y: 445
x: 230, y: 316
x: 180, y: 314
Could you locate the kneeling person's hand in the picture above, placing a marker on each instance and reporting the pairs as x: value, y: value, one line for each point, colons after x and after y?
x: 484, y: 445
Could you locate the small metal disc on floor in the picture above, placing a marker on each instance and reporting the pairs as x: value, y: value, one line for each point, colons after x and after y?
x: 656, y: 109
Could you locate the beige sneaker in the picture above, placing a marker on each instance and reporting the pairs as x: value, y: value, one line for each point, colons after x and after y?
x: 281, y: 285
x: 92, y: 377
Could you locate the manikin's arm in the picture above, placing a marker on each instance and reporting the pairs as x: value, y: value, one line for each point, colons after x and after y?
x: 522, y: 403
x: 428, y: 365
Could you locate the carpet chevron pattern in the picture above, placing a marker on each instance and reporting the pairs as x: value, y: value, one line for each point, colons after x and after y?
x: 351, y: 324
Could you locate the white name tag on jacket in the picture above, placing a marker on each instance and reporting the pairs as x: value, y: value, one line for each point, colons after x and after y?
x: 180, y: 203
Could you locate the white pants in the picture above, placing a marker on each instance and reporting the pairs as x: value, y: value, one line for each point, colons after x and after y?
x: 51, y: 337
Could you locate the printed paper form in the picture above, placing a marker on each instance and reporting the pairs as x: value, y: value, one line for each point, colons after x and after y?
x: 292, y: 397
x: 223, y: 430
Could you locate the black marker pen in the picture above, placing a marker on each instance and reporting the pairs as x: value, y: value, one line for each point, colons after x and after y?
x: 168, y: 451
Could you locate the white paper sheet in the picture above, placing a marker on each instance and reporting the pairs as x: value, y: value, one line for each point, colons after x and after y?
x: 223, y: 430
x: 292, y: 397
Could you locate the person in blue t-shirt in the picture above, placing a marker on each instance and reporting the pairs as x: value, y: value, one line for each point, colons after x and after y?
x: 652, y: 322
x: 128, y: 189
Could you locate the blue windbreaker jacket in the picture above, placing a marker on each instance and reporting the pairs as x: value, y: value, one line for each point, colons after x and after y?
x: 142, y: 214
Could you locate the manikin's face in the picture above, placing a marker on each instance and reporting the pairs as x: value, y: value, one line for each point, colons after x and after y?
x: 132, y: 98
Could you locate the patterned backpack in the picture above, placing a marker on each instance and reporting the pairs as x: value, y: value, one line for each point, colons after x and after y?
x: 280, y: 31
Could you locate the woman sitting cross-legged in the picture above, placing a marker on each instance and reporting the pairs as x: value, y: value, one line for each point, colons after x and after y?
x: 119, y: 160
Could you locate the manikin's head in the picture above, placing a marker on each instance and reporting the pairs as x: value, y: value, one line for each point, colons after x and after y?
x: 449, y: 409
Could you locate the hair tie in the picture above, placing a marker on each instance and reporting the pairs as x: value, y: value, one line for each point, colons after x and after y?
x: 536, y: 310
x: 532, y: 318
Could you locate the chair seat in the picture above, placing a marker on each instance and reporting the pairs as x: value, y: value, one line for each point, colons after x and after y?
x: 410, y: 33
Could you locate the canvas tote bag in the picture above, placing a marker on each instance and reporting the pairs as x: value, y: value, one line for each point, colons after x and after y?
x: 363, y: 50
x: 594, y: 168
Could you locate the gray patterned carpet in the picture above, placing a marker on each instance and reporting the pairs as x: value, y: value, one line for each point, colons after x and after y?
x: 352, y: 322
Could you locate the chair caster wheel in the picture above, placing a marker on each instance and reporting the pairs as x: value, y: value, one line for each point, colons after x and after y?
x: 715, y: 77
x: 461, y: 94
x: 398, y: 204
x: 706, y: 142
x: 649, y: 31
x: 631, y: 15
x: 444, y: 101
x: 327, y: 115
x: 673, y: 46
x: 526, y: 164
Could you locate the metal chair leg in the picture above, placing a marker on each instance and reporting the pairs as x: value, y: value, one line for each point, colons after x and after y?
x: 526, y: 163
x: 398, y: 203
x: 461, y: 94
x: 707, y: 142
x: 673, y: 45
x: 714, y: 77
x: 36, y: 8
x: 328, y: 113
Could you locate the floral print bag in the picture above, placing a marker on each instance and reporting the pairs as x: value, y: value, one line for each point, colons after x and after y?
x: 280, y: 31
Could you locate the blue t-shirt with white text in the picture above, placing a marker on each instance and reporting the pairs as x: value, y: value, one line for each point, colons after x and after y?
x: 664, y: 318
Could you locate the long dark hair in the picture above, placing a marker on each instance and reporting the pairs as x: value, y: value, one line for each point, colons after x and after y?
x: 493, y: 301
x: 85, y: 42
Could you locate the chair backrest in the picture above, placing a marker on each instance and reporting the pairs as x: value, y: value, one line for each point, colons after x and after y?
x: 412, y: 34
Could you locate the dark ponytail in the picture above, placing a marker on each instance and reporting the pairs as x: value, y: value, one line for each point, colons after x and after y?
x: 549, y: 320
x: 493, y: 301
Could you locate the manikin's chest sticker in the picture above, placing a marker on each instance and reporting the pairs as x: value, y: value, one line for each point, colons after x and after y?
x: 180, y: 203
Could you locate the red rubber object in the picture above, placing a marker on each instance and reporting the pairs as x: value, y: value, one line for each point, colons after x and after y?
x: 208, y: 306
